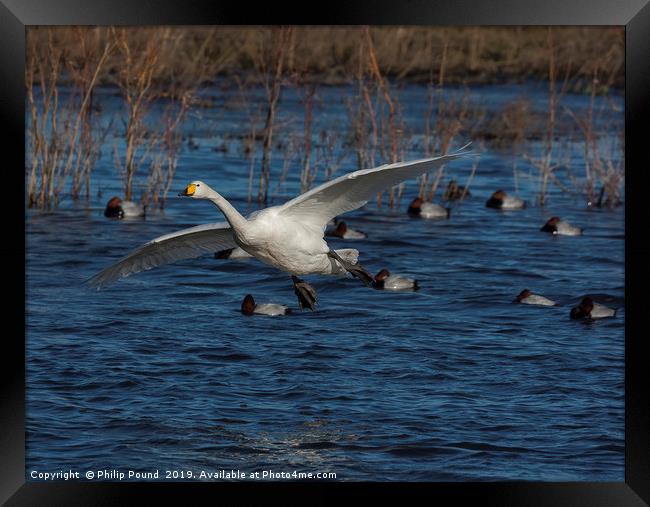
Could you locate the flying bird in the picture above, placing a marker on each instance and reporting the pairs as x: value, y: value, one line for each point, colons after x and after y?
x: 289, y: 237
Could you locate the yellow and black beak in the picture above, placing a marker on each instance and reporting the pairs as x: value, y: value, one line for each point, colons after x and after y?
x: 189, y: 191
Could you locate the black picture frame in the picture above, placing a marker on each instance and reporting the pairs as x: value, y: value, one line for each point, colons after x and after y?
x: 15, y: 15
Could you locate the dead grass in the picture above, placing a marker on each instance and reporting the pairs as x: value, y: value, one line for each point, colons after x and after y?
x: 330, y: 54
x: 172, y: 63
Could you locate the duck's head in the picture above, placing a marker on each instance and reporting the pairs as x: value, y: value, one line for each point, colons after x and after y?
x: 378, y: 281
x: 114, y: 202
x: 415, y: 208
x: 248, y: 305
x: 341, y: 229
x: 583, y: 309
x: 196, y: 190
x: 587, y: 303
x: 382, y: 275
x: 523, y: 295
x: 496, y: 199
x: 114, y: 208
x: 416, y: 203
x: 551, y: 225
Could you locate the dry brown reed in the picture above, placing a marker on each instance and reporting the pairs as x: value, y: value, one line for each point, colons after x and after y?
x: 603, y: 156
x: 308, y: 173
x: 559, y: 72
x: 154, y: 147
x: 135, y: 82
x: 171, y: 63
x: 377, y: 130
x: 60, y: 137
x: 270, y: 67
x: 329, y: 54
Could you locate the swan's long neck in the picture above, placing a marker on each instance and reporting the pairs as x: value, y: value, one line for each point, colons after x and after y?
x: 235, y: 219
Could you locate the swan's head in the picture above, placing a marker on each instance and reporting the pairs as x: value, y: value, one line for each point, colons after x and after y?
x: 196, y: 190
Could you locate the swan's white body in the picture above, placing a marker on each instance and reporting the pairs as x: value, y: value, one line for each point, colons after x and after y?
x: 288, y: 237
x: 287, y: 243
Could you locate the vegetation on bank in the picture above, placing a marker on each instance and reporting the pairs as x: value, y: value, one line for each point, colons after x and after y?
x: 174, y: 63
x: 330, y: 55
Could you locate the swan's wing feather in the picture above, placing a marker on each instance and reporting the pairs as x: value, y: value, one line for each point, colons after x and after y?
x: 353, y: 190
x: 183, y: 244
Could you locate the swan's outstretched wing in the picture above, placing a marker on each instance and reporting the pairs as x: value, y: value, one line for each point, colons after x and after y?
x: 183, y: 244
x: 353, y: 190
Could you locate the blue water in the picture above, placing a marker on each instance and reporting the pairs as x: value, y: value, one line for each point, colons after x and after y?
x: 161, y: 371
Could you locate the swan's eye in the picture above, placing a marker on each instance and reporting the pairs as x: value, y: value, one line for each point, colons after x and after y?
x: 198, y: 185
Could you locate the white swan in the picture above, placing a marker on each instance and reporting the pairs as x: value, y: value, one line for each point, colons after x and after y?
x: 288, y: 237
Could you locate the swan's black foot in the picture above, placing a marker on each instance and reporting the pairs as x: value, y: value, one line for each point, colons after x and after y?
x: 356, y: 270
x: 305, y: 292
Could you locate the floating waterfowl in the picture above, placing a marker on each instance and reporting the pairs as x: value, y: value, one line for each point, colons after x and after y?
x: 384, y: 280
x: 117, y: 208
x: 236, y: 253
x: 343, y: 231
x: 419, y: 208
x: 501, y: 200
x: 453, y: 192
x: 249, y: 307
x: 528, y: 298
x: 589, y: 309
x: 289, y: 237
x: 556, y: 226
